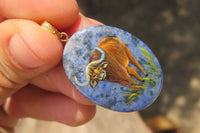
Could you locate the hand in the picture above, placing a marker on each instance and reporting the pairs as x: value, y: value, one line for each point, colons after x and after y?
x: 32, y: 79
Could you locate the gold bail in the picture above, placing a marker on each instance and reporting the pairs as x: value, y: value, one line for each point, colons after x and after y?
x: 62, y: 35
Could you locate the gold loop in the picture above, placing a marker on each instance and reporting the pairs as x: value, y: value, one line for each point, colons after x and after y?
x: 62, y: 35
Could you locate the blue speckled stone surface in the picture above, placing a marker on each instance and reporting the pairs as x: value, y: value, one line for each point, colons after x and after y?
x: 111, y: 95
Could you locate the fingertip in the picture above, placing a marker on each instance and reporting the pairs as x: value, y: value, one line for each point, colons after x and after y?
x: 77, y: 96
x: 95, y: 21
x: 61, y: 13
x: 80, y: 23
x: 84, y: 115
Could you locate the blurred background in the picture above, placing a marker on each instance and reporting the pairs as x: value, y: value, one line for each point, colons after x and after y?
x: 171, y: 28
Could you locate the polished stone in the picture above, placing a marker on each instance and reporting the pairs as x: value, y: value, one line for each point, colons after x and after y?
x: 112, y: 95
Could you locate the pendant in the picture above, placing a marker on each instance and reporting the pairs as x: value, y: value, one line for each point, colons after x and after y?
x: 112, y: 68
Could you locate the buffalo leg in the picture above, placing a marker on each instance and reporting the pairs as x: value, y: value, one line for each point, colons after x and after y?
x: 134, y: 73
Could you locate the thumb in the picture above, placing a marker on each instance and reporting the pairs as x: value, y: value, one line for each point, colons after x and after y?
x: 26, y: 50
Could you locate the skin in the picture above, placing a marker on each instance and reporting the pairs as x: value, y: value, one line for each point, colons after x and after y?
x: 32, y: 79
x: 32, y: 82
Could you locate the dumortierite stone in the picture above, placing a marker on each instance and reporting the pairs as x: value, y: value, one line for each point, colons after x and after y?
x: 108, y: 83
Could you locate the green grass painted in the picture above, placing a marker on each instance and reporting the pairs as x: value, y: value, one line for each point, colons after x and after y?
x: 152, y: 71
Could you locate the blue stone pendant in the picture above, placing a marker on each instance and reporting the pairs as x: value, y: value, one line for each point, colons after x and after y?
x: 112, y: 68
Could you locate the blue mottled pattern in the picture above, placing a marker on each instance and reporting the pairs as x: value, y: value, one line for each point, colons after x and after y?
x: 107, y: 94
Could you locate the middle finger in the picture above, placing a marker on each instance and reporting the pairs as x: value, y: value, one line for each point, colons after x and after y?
x: 56, y: 80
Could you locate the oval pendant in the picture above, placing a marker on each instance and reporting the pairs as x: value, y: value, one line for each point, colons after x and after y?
x: 112, y: 68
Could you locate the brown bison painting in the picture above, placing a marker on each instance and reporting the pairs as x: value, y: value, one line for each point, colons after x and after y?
x: 109, y: 61
x: 112, y: 68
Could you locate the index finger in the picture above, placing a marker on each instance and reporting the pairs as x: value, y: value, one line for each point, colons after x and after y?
x: 60, y: 13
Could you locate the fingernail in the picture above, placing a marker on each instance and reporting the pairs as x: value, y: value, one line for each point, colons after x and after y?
x: 79, y: 116
x: 22, y: 54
